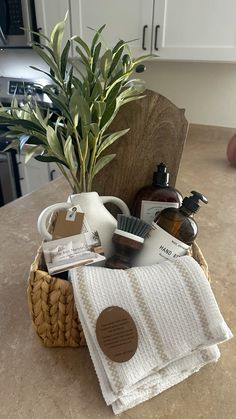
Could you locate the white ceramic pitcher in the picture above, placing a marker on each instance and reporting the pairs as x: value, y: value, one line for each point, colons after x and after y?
x: 97, y: 216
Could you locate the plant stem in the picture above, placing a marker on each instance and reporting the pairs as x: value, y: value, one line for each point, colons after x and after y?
x: 84, y: 165
x: 82, y: 162
x: 92, y: 162
x: 65, y: 174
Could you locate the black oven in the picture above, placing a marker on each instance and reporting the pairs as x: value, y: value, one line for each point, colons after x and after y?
x: 15, y: 15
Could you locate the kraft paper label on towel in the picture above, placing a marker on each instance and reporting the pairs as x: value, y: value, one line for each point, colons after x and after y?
x: 117, y: 334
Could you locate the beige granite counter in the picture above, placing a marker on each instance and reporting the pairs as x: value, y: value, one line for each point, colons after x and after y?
x: 41, y: 383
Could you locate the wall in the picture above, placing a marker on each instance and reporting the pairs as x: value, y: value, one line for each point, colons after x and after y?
x: 206, y: 90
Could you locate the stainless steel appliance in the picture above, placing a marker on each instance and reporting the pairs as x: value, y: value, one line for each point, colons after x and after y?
x: 8, y: 188
x: 20, y: 88
x: 9, y: 167
x: 15, y: 15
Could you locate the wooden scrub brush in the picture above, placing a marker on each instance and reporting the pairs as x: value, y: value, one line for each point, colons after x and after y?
x: 128, y: 239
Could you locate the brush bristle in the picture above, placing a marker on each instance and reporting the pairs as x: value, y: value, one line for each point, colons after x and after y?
x: 133, y: 225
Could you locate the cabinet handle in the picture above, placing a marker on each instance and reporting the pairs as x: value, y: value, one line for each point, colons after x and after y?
x: 37, y: 37
x: 51, y: 174
x: 155, y: 41
x: 144, y: 34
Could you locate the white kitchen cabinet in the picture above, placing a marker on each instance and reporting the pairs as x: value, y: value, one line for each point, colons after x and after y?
x: 124, y: 19
x: 202, y: 30
x: 195, y: 30
x: 33, y: 174
x: 54, y: 172
x: 49, y: 12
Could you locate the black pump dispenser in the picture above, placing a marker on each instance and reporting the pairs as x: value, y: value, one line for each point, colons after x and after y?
x: 161, y: 176
x: 191, y: 203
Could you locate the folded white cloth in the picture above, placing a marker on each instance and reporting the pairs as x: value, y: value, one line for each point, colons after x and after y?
x: 177, y: 319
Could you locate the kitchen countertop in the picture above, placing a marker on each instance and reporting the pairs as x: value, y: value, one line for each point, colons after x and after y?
x: 40, y: 383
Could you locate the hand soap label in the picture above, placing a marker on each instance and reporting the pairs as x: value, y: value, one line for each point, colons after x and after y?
x: 150, y: 209
x: 160, y: 246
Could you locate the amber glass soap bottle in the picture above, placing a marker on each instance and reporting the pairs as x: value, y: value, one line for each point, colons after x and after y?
x: 152, y: 199
x: 180, y: 223
x: 173, y: 232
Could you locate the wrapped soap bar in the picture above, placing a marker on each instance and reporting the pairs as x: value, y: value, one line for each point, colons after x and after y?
x: 69, y: 252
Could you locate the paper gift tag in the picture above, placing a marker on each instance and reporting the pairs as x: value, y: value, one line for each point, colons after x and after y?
x: 68, y: 223
x: 117, y: 334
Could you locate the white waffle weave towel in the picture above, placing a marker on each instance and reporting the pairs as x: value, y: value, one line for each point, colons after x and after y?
x: 177, y: 319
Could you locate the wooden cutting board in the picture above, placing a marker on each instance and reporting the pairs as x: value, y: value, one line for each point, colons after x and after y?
x: 157, y: 134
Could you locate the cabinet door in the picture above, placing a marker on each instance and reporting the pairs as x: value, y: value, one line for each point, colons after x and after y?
x: 22, y: 176
x: 124, y: 19
x: 195, y: 30
x: 54, y: 172
x: 33, y: 174
x: 49, y: 12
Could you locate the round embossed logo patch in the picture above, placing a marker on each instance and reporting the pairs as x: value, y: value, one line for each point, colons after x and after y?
x: 117, y: 334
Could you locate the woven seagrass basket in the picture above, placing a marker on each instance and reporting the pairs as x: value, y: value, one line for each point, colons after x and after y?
x: 52, y: 306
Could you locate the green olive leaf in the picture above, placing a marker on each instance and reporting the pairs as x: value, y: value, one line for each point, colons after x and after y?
x: 96, y: 56
x: 52, y: 65
x: 84, y: 110
x: 100, y: 107
x: 108, y: 115
x: 111, y: 139
x: 105, y: 63
x: 64, y: 58
x: 102, y: 162
x: 68, y: 152
x: 94, y: 128
x: 54, y: 143
x: 116, y: 59
x: 96, y: 37
x: 56, y: 38
x: 85, y: 59
x: 83, y: 44
x: 50, y: 159
x: 29, y: 153
x: 97, y: 91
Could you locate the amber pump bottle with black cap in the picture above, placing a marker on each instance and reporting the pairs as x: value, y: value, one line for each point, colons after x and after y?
x: 180, y: 222
x: 173, y: 232
x: 152, y: 199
